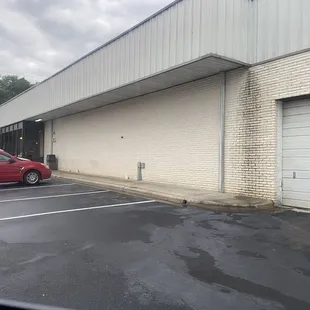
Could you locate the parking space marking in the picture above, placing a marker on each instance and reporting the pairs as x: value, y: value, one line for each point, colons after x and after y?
x: 76, y: 210
x: 34, y: 187
x: 54, y: 196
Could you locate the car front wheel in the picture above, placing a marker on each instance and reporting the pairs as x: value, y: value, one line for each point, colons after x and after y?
x: 32, y: 177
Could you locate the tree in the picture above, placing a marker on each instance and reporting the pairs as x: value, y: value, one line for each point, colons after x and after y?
x: 11, y: 86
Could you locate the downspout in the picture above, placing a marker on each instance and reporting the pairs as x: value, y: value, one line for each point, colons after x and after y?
x: 222, y: 132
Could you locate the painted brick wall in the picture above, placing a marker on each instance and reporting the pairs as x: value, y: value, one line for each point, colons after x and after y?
x: 251, y: 122
x: 175, y: 132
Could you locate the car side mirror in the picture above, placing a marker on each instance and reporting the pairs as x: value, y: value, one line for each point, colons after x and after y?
x: 11, y: 161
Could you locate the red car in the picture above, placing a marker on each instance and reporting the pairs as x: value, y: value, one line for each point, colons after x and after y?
x: 15, y: 169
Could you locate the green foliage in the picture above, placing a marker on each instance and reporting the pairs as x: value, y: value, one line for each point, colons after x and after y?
x: 11, y: 86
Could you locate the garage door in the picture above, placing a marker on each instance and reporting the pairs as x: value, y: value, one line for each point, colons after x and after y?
x: 296, y: 154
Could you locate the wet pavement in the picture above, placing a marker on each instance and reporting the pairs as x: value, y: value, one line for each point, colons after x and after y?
x: 79, y: 247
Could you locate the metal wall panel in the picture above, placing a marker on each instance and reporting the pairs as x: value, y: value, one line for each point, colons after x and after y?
x: 282, y: 27
x: 185, y: 31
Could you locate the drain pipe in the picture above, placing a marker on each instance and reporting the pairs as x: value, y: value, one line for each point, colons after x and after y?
x: 222, y: 132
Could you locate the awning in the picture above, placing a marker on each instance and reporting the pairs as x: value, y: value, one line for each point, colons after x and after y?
x: 204, y: 67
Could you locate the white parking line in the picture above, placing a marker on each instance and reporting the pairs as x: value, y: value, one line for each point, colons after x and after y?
x: 34, y: 187
x: 54, y: 196
x: 76, y: 210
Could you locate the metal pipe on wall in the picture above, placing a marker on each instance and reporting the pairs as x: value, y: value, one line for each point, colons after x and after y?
x: 222, y: 132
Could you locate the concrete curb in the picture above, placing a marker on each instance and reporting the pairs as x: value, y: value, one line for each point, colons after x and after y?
x: 126, y: 189
x: 222, y: 205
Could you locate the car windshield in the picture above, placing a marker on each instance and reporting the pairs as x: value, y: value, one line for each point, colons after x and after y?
x: 4, y: 157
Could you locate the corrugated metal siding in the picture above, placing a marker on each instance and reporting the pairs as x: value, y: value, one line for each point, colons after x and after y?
x: 282, y: 27
x: 244, y: 30
x: 183, y: 32
x: 225, y: 28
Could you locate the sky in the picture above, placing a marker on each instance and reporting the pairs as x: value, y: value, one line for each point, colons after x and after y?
x: 39, y: 37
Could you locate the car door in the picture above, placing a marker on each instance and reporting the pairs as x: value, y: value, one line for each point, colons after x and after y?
x: 9, y: 172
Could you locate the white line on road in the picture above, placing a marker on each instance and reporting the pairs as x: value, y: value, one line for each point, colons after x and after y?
x: 54, y: 196
x: 34, y: 187
x: 77, y: 210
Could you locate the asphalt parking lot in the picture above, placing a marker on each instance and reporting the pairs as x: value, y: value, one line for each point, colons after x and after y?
x: 74, y: 246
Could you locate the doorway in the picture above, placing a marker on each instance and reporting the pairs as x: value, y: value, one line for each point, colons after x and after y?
x: 24, y: 139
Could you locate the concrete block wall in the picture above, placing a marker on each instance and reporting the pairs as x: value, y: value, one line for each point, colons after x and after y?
x: 175, y: 132
x: 251, y: 122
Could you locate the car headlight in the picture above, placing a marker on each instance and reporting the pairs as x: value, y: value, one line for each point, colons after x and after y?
x: 46, y: 166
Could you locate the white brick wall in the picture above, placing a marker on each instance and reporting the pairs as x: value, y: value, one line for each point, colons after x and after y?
x: 175, y: 132
x: 251, y: 122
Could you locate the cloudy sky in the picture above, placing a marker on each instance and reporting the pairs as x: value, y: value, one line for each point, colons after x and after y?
x: 39, y: 37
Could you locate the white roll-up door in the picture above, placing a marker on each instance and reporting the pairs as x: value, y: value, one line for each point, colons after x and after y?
x: 296, y: 154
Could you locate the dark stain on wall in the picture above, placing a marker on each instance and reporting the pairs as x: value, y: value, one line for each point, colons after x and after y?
x: 248, y: 132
